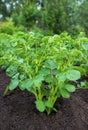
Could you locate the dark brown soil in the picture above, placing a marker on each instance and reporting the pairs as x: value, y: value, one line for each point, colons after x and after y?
x: 18, y: 112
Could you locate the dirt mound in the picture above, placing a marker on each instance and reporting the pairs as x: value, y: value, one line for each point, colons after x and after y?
x: 18, y: 112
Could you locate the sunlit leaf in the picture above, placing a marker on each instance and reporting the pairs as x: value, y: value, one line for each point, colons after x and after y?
x: 50, y: 64
x: 73, y: 75
x: 64, y: 93
x: 13, y: 84
x: 40, y: 105
x: 70, y: 88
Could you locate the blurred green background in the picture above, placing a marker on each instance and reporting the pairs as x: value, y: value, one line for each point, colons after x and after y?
x: 45, y: 16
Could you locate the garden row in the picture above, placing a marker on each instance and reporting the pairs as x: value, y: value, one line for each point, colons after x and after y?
x: 46, y: 66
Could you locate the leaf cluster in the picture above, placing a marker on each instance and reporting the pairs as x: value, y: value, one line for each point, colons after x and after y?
x: 44, y: 65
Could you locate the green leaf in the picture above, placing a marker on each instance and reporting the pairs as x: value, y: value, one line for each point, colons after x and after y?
x: 70, y: 88
x: 61, y: 76
x: 26, y: 84
x: 45, y: 71
x: 22, y: 76
x: 81, y: 69
x: 58, y: 93
x: 55, y: 72
x: 73, y: 75
x: 13, y: 84
x: 50, y: 79
x: 84, y: 84
x: 50, y: 64
x: 1, y: 61
x: 38, y: 80
x: 21, y: 86
x: 48, y: 104
x: 12, y: 70
x: 85, y: 46
x: 64, y: 93
x: 40, y: 105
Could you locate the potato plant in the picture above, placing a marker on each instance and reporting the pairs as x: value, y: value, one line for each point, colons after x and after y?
x: 46, y: 66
